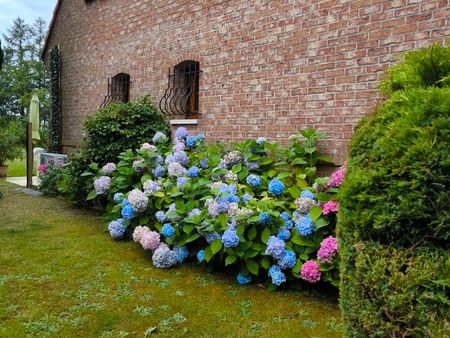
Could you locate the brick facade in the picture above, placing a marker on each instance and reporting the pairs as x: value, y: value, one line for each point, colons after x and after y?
x: 270, y: 67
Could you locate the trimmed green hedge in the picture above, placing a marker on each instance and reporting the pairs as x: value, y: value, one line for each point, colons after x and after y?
x: 394, y: 219
x: 120, y: 126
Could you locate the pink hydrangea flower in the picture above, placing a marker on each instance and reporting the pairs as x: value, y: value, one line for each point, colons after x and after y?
x: 150, y: 240
x: 328, y: 249
x: 330, y: 206
x: 310, y: 271
x: 42, y: 168
x: 336, y: 178
x: 138, y: 232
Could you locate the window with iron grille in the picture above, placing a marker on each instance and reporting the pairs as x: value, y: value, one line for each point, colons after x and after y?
x: 180, y: 98
x: 118, y: 89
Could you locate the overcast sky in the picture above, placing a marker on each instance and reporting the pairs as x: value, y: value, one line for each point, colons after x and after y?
x: 28, y: 10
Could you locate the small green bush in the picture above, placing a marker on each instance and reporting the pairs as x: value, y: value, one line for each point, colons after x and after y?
x: 394, y: 220
x: 49, y: 177
x: 120, y: 126
x: 12, y: 139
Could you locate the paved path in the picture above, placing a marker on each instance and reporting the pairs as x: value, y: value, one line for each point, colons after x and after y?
x: 22, y: 180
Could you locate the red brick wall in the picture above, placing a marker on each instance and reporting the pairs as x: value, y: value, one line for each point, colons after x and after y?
x: 269, y: 67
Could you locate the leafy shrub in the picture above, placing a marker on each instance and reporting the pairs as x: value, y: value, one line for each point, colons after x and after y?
x: 246, y: 206
x: 12, y: 140
x: 49, y: 177
x: 394, y: 220
x: 110, y: 131
x: 120, y: 126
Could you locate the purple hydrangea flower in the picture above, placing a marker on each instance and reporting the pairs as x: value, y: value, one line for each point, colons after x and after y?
x: 138, y: 200
x: 181, y: 133
x: 160, y: 216
x: 109, y: 168
x: 204, y: 163
x: 275, y: 247
x: 181, y: 157
x: 194, y: 212
x: 117, y: 229
x: 159, y: 171
x: 178, y: 146
x: 181, y: 182
x: 163, y: 257
x: 246, y: 197
x: 150, y: 187
x: 102, y: 185
x: 175, y: 169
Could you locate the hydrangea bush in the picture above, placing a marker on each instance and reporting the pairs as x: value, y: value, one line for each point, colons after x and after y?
x: 252, y: 207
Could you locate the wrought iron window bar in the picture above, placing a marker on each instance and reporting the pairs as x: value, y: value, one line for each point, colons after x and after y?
x: 181, y: 95
x: 118, y: 89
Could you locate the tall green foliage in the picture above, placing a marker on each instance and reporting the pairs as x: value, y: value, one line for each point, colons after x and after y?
x: 394, y: 221
x: 55, y: 127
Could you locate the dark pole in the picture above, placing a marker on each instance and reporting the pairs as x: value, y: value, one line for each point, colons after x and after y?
x: 29, y: 155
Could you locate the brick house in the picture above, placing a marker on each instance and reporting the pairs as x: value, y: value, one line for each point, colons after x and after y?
x: 239, y: 69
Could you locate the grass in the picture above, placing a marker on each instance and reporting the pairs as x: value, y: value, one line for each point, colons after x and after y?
x: 19, y: 168
x: 63, y: 276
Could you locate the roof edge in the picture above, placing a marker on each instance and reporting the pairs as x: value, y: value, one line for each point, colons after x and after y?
x: 50, y: 29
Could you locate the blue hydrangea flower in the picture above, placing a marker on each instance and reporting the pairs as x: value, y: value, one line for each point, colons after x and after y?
x: 193, y: 171
x: 261, y: 140
x: 276, y: 187
x: 160, y: 216
x: 228, y: 199
x: 275, y: 247
x: 124, y: 203
x: 128, y: 212
x: 230, y: 239
x: 118, y: 197
x: 278, y: 278
x: 167, y: 230
x: 181, y: 253
x: 243, y: 279
x: 159, y: 159
x: 181, y: 181
x: 211, y: 236
x: 163, y: 257
x: 305, y: 226
x: 253, y: 180
x: 284, y: 234
x: 307, y: 194
x: 201, y: 255
x: 200, y: 137
x: 117, y: 228
x: 158, y: 171
x: 204, y: 163
x: 289, y: 224
x: 273, y: 269
x: 287, y: 260
x: 190, y: 141
x: 230, y: 189
x: 265, y: 218
x: 181, y: 133
x: 285, y: 215
x: 246, y: 197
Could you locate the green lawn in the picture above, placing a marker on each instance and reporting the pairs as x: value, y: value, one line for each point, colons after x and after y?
x: 63, y: 276
x: 18, y: 168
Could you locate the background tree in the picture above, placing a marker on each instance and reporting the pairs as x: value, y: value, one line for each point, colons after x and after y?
x: 1, y: 55
x: 23, y: 72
